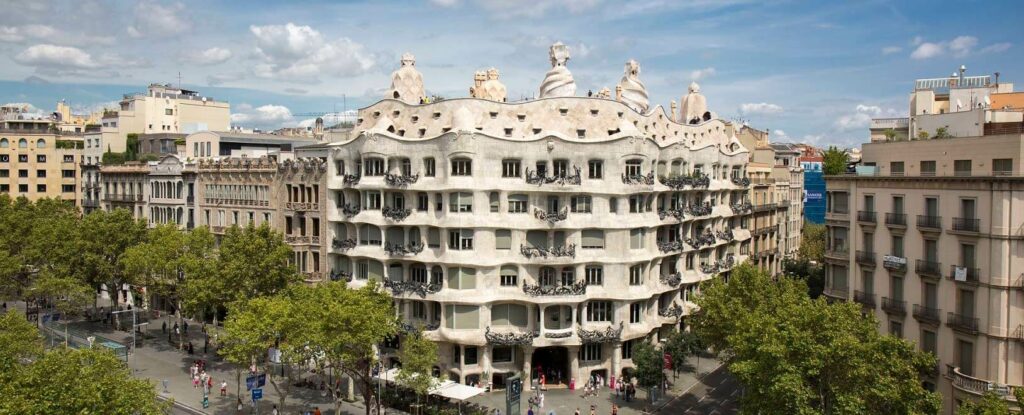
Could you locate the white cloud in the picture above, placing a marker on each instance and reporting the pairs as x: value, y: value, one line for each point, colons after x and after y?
x: 218, y: 79
x: 48, y: 34
x: 445, y: 3
x: 56, y: 56
x: 962, y: 45
x: 928, y: 50
x: 996, y: 48
x: 701, y: 74
x: 155, y: 19
x: 861, y: 117
x: 301, y: 53
x: 506, y: 9
x: 780, y: 135
x: 889, y: 50
x: 958, y: 47
x: 211, y: 56
x: 266, y: 116
x: 759, y: 108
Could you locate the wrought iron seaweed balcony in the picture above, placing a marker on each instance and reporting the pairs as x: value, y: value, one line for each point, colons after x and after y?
x: 395, y: 214
x: 558, y: 251
x: 608, y: 335
x: 532, y: 177
x: 678, y: 213
x: 509, y: 339
x: 706, y: 238
x: 673, y: 246
x: 412, y: 248
x: 725, y: 235
x: 551, y: 217
x: 400, y: 180
x: 419, y: 288
x: 537, y: 290
x: 675, y: 310
x: 350, y: 210
x: 744, y: 207
x: 708, y: 268
x: 699, y: 209
x: 343, y: 244
x: 638, y: 179
x: 351, y: 179
x: 741, y: 181
x: 409, y: 328
x: 672, y: 280
x: 341, y: 276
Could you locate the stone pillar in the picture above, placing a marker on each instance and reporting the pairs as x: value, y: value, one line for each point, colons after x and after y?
x: 485, y: 366
x: 574, y: 365
x: 541, y: 328
x: 617, y: 361
x: 527, y: 366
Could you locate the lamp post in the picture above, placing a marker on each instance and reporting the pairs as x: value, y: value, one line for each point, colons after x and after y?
x: 132, y: 310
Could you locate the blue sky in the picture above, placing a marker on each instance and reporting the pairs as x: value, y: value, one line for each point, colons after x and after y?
x: 811, y: 72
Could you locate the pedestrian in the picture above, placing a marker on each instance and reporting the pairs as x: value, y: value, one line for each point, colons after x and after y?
x: 577, y: 411
x: 274, y: 411
x: 191, y: 349
x: 163, y: 327
x: 316, y: 410
x: 209, y: 383
x: 206, y: 343
x: 195, y: 381
x: 186, y: 326
x: 223, y: 388
x: 593, y: 410
x: 240, y: 405
x: 530, y: 411
x: 615, y: 409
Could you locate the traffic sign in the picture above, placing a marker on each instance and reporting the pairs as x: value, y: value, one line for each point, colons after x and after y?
x: 261, y: 380
x: 257, y: 394
x: 250, y: 382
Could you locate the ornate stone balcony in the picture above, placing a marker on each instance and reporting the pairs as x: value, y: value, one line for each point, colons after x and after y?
x: 551, y: 217
x: 709, y: 268
x: 576, y: 288
x: 419, y: 288
x: 296, y: 239
x: 343, y: 244
x: 411, y: 248
x: 400, y: 180
x: 412, y: 328
x: 608, y: 335
x: 675, y: 310
x: 532, y: 177
x: 744, y: 207
x: 341, y: 276
x: 674, y: 246
x: 978, y: 387
x: 351, y: 179
x: 741, y: 181
x: 699, y: 210
x: 638, y: 179
x: 302, y: 206
x: 672, y: 280
x: 725, y: 235
x: 350, y: 210
x: 558, y: 251
x: 395, y: 214
x: 704, y: 239
x: 678, y: 213
x: 510, y: 338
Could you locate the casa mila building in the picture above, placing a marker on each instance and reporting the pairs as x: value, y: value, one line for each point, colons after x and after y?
x: 550, y: 235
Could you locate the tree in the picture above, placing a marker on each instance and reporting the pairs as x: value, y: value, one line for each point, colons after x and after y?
x: 20, y: 343
x: 252, y: 262
x: 812, y: 242
x: 418, y: 356
x: 808, y: 265
x: 39, y: 237
x: 68, y: 295
x: 801, y: 356
x: 103, y: 237
x: 86, y: 381
x: 890, y: 134
x: 131, y: 148
x: 680, y: 345
x: 990, y: 404
x: 835, y: 161
x: 650, y: 365
x: 942, y: 132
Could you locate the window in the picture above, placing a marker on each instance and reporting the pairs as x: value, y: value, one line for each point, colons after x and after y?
x: 929, y: 342
x: 961, y: 167
x: 581, y: 204
x: 636, y: 311
x: 965, y: 357
x: 438, y: 202
x: 433, y: 237
x: 592, y: 239
x: 41, y: 188
x: 67, y: 173
x: 627, y: 349
x: 517, y: 203
x: 462, y: 167
x: 689, y: 262
x: 372, y: 201
x: 508, y: 315
x: 599, y: 311
x: 636, y: 275
x: 613, y: 205
x: 928, y: 168
x: 594, y: 274
x: 23, y: 188
x: 509, y: 276
x: 896, y: 328
x: 1002, y: 167
x: 510, y: 168
x: 590, y: 352
x: 547, y: 276
x: 4, y: 143
x: 168, y: 111
x: 460, y: 202
x: 23, y: 158
x: 69, y: 158
x: 636, y: 238
x: 503, y: 239
x: 4, y: 158
x: 40, y: 173
x: 595, y: 169
x: 493, y: 200
x: 501, y: 354
x: 369, y: 235
x: 460, y: 239
x: 374, y: 166
x: 568, y: 276
x: 896, y: 168
x: 22, y: 143
x: 5, y: 188
x: 41, y: 158
x: 634, y: 168
x: 22, y: 173
x: 422, y: 202
x: 462, y: 278
x: 897, y: 245
x: 5, y: 173
x: 418, y: 273
x: 462, y: 317
x: 897, y: 205
x: 429, y: 167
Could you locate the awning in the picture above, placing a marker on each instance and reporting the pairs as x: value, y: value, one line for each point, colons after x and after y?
x: 389, y: 375
x: 457, y: 391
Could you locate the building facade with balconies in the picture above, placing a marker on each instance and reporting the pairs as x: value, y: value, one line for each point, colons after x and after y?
x: 544, y: 236
x: 172, y: 191
x: 927, y: 236
x: 36, y: 159
x: 125, y: 186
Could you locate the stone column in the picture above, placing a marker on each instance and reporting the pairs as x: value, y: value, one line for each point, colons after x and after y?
x: 617, y: 361
x: 527, y: 366
x: 485, y: 366
x: 574, y: 365
x: 541, y: 328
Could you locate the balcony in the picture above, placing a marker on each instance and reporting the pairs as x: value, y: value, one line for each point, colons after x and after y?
x: 536, y: 290
x: 966, y: 275
x: 302, y: 206
x: 837, y: 253
x: 962, y: 323
x: 764, y: 207
x: 977, y: 386
x: 551, y: 217
x: 929, y: 223
x: 866, y: 299
x: 866, y: 258
x: 867, y: 216
x: 894, y: 263
x: 841, y: 293
x: 894, y: 307
x: 545, y: 252
x: 395, y: 214
x: 561, y: 178
x: 896, y: 220
x: 925, y: 268
x: 400, y: 180
x: 972, y: 225
x: 927, y: 314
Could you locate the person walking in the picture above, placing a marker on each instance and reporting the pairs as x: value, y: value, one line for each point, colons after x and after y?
x: 274, y: 411
x: 163, y: 327
x: 223, y: 388
x: 577, y: 411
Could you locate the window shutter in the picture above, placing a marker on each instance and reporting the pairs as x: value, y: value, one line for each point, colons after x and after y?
x: 503, y: 239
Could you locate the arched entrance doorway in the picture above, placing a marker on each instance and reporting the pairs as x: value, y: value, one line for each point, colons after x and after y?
x: 553, y: 363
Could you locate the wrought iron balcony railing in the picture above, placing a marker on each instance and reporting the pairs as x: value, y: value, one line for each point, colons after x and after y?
x: 893, y: 306
x: 400, y: 180
x: 708, y: 268
x: 349, y: 210
x: 699, y: 209
x: 608, y: 335
x: 551, y: 217
x: 896, y: 219
x: 675, y: 310
x: 351, y: 179
x: 673, y: 246
x: 343, y: 244
x: 706, y: 238
x: 867, y: 299
x: 865, y: 257
x: 678, y: 213
x: 302, y: 206
x: 672, y: 280
x: 963, y: 323
x: 545, y: 252
x: 678, y: 182
x: 764, y: 207
x: 638, y: 179
x: 510, y: 338
x: 741, y: 181
x: 533, y: 177
x: 537, y: 290
x: 929, y: 222
x: 744, y: 207
x: 412, y: 248
x: 928, y: 268
x: 867, y: 216
x: 967, y: 225
x: 341, y: 276
x: 725, y: 235
x: 927, y: 314
x: 414, y: 287
x: 967, y: 275
x: 395, y: 214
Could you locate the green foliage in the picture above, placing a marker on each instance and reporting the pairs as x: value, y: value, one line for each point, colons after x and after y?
x: 103, y: 237
x: 942, y: 132
x: 808, y: 265
x: 418, y: 356
x: 990, y: 404
x: 70, y: 144
x: 20, y: 342
x: 835, y: 161
x: 38, y: 239
x: 680, y: 345
x: 148, y: 157
x: 795, y: 355
x: 890, y: 134
x: 252, y: 262
x: 87, y: 381
x: 923, y: 135
x: 812, y: 242
x: 131, y: 149
x: 649, y: 365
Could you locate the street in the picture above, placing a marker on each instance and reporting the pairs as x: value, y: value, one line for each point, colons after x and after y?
x: 717, y: 393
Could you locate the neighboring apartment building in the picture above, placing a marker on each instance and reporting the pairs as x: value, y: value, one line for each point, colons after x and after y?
x: 125, y: 186
x: 172, y: 191
x: 927, y: 235
x: 791, y: 218
x: 555, y: 233
x: 36, y: 159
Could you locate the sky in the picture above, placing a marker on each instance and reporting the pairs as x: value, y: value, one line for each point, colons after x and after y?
x: 813, y: 72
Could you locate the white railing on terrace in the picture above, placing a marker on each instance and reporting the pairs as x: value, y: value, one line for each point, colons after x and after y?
x: 968, y: 82
x: 890, y: 122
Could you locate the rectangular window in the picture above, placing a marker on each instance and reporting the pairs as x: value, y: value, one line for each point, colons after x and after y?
x: 462, y: 317
x: 896, y: 168
x: 595, y: 169
x: 4, y: 158
x: 372, y: 201
x: 460, y: 202
x: 501, y: 354
x: 494, y: 202
x: 429, y: 167
x: 929, y: 342
x: 461, y: 278
x: 23, y: 188
x: 22, y: 173
x: 590, y: 352
x: 594, y: 274
x: 517, y: 203
x: 592, y: 239
x: 422, y: 202
x: 965, y: 357
x: 636, y: 238
x: 23, y: 158
x: 374, y: 166
x: 928, y: 168
x: 462, y: 167
x: 5, y: 173
x: 896, y: 328
x: 634, y: 168
x: 1002, y: 167
x: 599, y: 311
x: 41, y: 188
x: 69, y: 158
x: 510, y: 168
x: 636, y: 311
x: 627, y: 349
x: 897, y: 205
x: 961, y: 167
x: 636, y: 275
x: 503, y: 239
x: 40, y: 158
x: 168, y: 111
x: 581, y: 204
x: 40, y: 173
x: 509, y: 276
x: 460, y: 239
x: 5, y: 188
x: 613, y: 205
x: 68, y: 174
x: 433, y: 237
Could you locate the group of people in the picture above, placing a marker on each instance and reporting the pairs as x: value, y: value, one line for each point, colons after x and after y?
x: 201, y: 378
x: 626, y: 390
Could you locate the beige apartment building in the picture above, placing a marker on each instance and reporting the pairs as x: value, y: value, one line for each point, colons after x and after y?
x: 36, y: 159
x: 927, y: 235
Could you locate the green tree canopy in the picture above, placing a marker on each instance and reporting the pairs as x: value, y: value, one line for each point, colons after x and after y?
x: 103, y: 237
x: 39, y: 237
x: 649, y: 365
x: 418, y: 356
x: 795, y: 355
x: 20, y: 343
x: 835, y: 161
x: 252, y: 262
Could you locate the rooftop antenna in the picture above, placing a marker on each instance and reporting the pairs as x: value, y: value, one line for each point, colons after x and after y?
x: 179, y: 79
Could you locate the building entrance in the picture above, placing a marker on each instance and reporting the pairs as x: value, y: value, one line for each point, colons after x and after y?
x: 553, y: 364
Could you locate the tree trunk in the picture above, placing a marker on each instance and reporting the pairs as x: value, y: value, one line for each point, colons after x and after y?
x: 181, y: 325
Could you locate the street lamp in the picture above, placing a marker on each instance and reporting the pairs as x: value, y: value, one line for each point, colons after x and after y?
x: 132, y: 310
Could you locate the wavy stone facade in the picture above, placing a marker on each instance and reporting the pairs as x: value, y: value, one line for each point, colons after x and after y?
x: 550, y: 234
